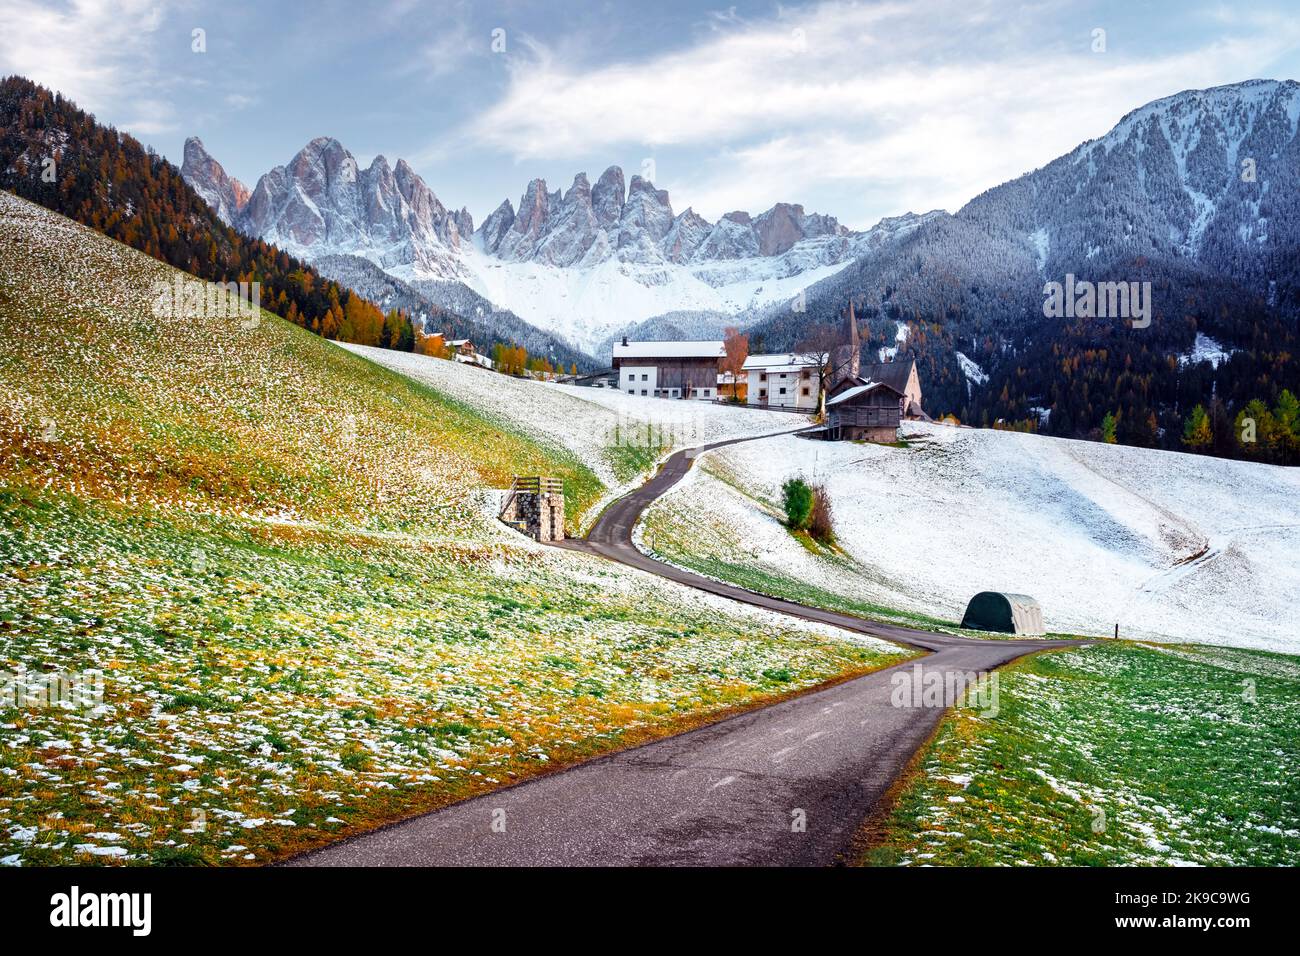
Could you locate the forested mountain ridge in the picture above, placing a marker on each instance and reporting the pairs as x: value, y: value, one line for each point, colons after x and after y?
x: 1198, y: 193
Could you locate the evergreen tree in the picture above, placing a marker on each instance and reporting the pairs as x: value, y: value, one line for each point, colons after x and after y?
x: 1108, y: 429
x: 1197, y: 435
x: 1255, y: 431
x: 1286, y: 422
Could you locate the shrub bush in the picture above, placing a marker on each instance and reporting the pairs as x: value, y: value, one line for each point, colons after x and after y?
x: 819, y: 522
x: 797, y: 499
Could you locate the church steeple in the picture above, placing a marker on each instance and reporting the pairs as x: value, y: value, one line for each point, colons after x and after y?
x: 855, y: 343
x: 846, y: 358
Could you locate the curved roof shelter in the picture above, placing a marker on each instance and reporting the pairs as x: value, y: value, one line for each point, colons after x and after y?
x: 1005, y: 613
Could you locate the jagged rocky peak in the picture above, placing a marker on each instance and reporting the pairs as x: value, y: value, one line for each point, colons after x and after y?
x: 323, y: 203
x: 785, y: 224
x: 520, y: 240
x: 496, y: 225
x: 608, y: 196
x: 321, y: 162
x: 224, y: 193
x: 779, y: 228
x: 534, y: 206
x: 732, y: 237
x: 571, y: 229
x: 688, y: 232
x: 580, y: 191
x: 647, y: 215
x: 634, y: 223
x: 429, y: 213
x: 464, y: 222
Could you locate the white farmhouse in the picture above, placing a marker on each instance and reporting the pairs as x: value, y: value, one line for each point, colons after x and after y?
x: 787, y: 380
x: 463, y: 351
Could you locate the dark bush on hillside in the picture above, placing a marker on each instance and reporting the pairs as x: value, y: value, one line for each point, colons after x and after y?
x: 797, y: 499
x: 819, y: 522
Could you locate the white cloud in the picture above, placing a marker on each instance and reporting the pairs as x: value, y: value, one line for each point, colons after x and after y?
x: 928, y: 102
x: 449, y: 47
x: 94, y: 51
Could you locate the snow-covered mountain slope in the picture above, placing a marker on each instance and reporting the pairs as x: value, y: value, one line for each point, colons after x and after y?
x: 1172, y: 547
x: 456, y: 312
x: 581, y: 264
x: 629, y: 275
x: 1206, y: 179
x: 586, y: 304
x: 1203, y: 174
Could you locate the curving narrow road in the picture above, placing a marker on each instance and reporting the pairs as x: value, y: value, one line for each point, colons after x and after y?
x: 786, y: 784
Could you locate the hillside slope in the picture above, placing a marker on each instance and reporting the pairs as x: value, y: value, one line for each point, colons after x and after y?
x: 284, y: 562
x: 59, y: 156
x: 1171, y: 547
x: 621, y: 438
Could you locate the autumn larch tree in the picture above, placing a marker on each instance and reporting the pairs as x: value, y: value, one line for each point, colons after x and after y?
x: 735, y: 348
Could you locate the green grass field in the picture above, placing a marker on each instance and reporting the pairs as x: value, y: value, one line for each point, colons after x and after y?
x: 1117, y: 754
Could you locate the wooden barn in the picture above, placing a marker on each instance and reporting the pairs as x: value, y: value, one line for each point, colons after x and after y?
x: 668, y: 369
x: 871, y: 411
x: 900, y: 375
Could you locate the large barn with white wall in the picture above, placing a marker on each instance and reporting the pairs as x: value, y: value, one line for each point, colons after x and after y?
x: 668, y: 369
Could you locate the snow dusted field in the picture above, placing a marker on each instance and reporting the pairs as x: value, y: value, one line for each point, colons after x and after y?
x: 1204, y: 775
x: 1173, y: 547
x: 588, y: 422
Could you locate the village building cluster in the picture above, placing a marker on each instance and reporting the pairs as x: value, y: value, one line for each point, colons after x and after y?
x: 861, y: 402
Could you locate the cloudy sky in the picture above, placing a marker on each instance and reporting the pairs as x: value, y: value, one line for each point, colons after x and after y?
x: 861, y: 110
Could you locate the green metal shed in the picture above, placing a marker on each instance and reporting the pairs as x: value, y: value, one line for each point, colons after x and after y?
x: 1004, y: 612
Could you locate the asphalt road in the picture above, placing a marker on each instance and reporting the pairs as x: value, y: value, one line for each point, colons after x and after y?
x: 787, y: 784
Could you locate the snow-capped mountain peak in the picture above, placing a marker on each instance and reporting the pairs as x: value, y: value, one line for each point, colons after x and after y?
x: 225, y: 194
x: 579, y: 262
x: 323, y: 203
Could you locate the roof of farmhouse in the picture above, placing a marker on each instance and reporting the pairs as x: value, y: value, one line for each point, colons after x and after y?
x: 851, y: 393
x: 781, y: 360
x: 667, y: 350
